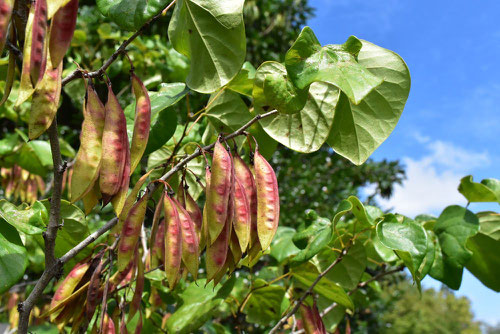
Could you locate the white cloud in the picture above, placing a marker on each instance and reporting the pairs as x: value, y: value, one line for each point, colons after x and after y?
x: 432, y: 180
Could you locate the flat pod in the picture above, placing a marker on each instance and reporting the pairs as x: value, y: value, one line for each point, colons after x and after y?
x: 217, y: 253
x: 62, y: 30
x: 94, y: 291
x: 68, y: 285
x: 131, y: 231
x: 242, y: 218
x: 244, y: 174
x: 311, y: 319
x: 187, y: 202
x: 173, y: 241
x: 155, y: 228
x: 38, y: 54
x: 45, y: 102
x: 5, y: 13
x: 218, y: 192
x: 135, y: 305
x: 205, y: 238
x: 158, y: 246
x: 115, y: 149
x: 142, y: 122
x: 190, y: 242
x: 88, y: 158
x: 268, y: 203
x: 108, y: 325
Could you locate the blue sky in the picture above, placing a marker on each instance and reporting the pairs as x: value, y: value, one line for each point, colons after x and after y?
x: 451, y: 124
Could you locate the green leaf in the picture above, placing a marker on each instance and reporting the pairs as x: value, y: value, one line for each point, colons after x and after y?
x: 407, y: 238
x: 354, y: 205
x: 307, y: 62
x: 485, y: 260
x: 131, y: 14
x: 307, y: 274
x: 8, y: 143
x: 13, y: 257
x: 30, y: 220
x: 358, y: 130
x: 453, y: 228
x: 36, y: 157
x: 243, y: 81
x: 227, y: 112
x: 306, y: 130
x: 199, y: 304
x: 264, y: 304
x: 347, y: 273
x: 66, y: 149
x: 282, y: 246
x: 312, y: 240
x: 212, y: 35
x: 489, y: 224
x: 333, y: 318
x: 486, y: 191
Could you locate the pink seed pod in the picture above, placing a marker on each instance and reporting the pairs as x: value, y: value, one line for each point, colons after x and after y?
x: 235, y: 247
x: 154, y: 231
x: 244, y: 174
x: 217, y: 253
x: 94, y: 290
x: 38, y: 54
x: 88, y: 159
x: 158, y: 246
x: 131, y: 231
x: 311, y: 319
x: 173, y: 241
x: 218, y: 192
x: 108, y: 325
x: 268, y: 202
x: 188, y: 203
x: 190, y: 242
x: 5, y: 13
x: 205, y: 238
x: 242, y: 217
x: 115, y: 149
x: 61, y: 31
x: 135, y: 305
x: 142, y: 122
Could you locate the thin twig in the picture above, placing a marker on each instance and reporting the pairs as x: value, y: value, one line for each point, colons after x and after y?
x: 309, y: 291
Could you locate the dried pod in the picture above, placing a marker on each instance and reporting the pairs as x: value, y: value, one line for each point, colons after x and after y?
x: 115, y: 149
x: 190, y: 242
x: 268, y: 202
x: 88, y: 158
x: 131, y: 231
x: 173, y: 241
x: 142, y: 122
x: 242, y: 218
x: 218, y: 191
x: 62, y: 30
x: 94, y: 290
x: 38, y: 55
x: 68, y: 285
x: 244, y: 174
x: 5, y: 13
x: 311, y: 319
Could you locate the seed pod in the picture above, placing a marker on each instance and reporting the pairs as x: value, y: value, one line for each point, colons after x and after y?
x: 45, y: 102
x: 242, y: 218
x: 5, y: 13
x: 94, y: 290
x: 122, y: 277
x: 119, y: 199
x: 131, y: 231
x: 205, y: 238
x: 62, y: 30
x: 68, y: 285
x: 234, y: 245
x: 191, y: 207
x: 89, y: 156
x: 311, y: 319
x: 91, y: 199
x: 220, y: 274
x: 190, y: 242
x: 217, y: 253
x: 154, y: 231
x: 108, y: 325
x: 173, y: 241
x: 218, y: 192
x: 142, y: 122
x: 11, y: 70
x: 115, y: 149
x: 158, y: 246
x: 244, y: 174
x: 38, y: 54
x: 268, y: 202
x: 135, y: 305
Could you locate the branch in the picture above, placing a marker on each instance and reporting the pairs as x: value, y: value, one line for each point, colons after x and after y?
x: 309, y: 291
x: 98, y: 73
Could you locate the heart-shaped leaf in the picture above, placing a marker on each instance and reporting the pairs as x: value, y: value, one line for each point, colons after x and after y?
x: 131, y: 14
x: 212, y: 35
x: 13, y: 257
x: 486, y: 191
x: 31, y: 220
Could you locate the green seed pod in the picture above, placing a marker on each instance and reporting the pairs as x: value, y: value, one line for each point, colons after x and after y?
x: 218, y: 192
x: 62, y: 30
x: 38, y: 54
x: 5, y: 13
x: 173, y: 241
x: 190, y: 242
x: 158, y: 245
x: 115, y: 149
x: 244, y: 174
x: 235, y: 247
x: 91, y: 199
x: 268, y: 202
x: 88, y: 158
x: 45, y: 102
x: 131, y: 231
x: 142, y: 122
x: 242, y: 218
x: 311, y: 319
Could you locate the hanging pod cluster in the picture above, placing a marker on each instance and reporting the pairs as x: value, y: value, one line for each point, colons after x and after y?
x: 103, y: 163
